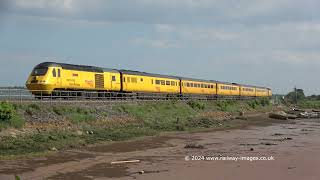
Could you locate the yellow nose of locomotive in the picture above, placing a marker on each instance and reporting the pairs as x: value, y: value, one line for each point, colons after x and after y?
x: 39, y: 81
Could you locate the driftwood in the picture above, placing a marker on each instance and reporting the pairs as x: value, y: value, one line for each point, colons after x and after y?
x: 122, y: 162
x: 279, y: 115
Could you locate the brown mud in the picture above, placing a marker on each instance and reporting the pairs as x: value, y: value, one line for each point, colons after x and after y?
x: 295, y: 145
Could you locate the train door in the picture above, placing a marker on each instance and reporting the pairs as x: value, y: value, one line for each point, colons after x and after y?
x: 59, y: 79
x: 113, y: 81
x: 56, y: 74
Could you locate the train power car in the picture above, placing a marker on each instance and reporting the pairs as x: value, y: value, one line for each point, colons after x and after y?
x: 48, y: 78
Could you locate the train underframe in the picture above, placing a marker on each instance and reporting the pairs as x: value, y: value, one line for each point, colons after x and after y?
x: 85, y: 94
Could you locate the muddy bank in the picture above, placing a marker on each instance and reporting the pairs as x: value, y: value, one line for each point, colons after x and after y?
x: 293, y: 143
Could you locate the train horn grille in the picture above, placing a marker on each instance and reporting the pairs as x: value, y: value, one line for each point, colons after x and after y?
x: 99, y: 78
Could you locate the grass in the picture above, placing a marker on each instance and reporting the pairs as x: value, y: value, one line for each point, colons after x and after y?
x: 59, y: 139
x: 309, y: 104
x: 160, y: 115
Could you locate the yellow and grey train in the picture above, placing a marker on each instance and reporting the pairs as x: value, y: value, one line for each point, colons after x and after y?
x: 49, y: 77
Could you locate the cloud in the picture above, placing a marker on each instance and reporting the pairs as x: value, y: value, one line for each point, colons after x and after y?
x: 170, y: 11
x: 156, y: 43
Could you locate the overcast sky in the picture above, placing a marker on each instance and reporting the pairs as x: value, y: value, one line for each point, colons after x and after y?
x: 272, y: 43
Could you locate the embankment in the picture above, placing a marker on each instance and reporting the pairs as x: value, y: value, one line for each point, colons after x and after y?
x: 37, y: 128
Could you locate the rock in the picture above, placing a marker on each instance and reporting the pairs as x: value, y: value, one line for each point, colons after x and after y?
x: 242, y: 118
x: 193, y: 145
x: 309, y: 115
x: 279, y: 115
x: 251, y: 149
x: 292, y: 116
x: 141, y: 172
x: 303, y: 115
x: 53, y: 149
x: 13, y: 134
x: 79, y: 133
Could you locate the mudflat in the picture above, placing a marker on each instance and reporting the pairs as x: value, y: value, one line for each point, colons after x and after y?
x: 292, y: 147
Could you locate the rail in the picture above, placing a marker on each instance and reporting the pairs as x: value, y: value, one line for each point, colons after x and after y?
x: 24, y: 95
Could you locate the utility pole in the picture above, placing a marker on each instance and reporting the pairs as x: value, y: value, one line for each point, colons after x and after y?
x: 296, y: 94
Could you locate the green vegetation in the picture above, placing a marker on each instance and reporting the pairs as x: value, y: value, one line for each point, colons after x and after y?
x: 298, y: 98
x: 309, y: 104
x: 89, y: 125
x: 75, y: 114
x: 160, y: 115
x: 9, y: 117
x: 295, y: 96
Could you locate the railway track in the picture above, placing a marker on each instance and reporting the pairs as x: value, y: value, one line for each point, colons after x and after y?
x: 24, y: 95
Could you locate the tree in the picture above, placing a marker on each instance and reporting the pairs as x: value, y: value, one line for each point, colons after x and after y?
x: 296, y: 95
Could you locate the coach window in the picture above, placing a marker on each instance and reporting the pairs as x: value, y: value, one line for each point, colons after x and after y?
x: 157, y: 81
x: 163, y: 82
x: 151, y: 81
x: 168, y: 83
x: 173, y: 83
x: 59, y: 73
x: 113, y: 78
x: 141, y: 79
x: 128, y: 79
x: 54, y: 74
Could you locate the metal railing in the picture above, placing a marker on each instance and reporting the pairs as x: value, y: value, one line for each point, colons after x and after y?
x: 22, y: 95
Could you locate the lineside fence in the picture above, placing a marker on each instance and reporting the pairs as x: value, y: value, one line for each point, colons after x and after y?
x: 24, y: 95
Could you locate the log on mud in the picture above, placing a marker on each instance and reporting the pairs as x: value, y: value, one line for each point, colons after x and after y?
x: 278, y: 115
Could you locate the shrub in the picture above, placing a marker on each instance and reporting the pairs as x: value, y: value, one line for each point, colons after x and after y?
x: 253, y: 104
x: 226, y: 105
x: 7, y: 111
x: 32, y: 109
x: 196, y: 105
x: 264, y: 101
x: 8, y: 116
x: 17, y: 121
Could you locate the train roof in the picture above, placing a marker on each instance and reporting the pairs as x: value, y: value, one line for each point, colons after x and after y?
x: 75, y: 67
x: 245, y: 85
x: 198, y: 80
x: 147, y: 74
